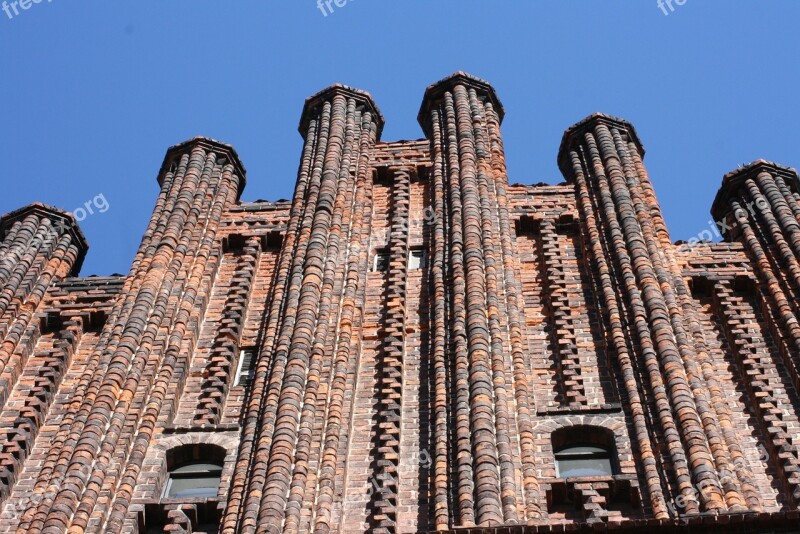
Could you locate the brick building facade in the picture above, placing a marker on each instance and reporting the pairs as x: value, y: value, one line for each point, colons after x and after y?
x: 410, y: 344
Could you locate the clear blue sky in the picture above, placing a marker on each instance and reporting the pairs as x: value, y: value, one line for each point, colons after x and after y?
x: 93, y: 92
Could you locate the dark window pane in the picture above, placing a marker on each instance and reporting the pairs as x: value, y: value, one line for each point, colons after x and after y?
x: 246, y: 368
x: 382, y: 261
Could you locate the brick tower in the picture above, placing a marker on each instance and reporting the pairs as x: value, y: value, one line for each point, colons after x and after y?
x: 410, y: 344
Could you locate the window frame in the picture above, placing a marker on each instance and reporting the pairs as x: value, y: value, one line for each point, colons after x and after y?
x: 603, y: 452
x: 173, y: 475
x: 382, y: 254
x: 193, y: 461
x: 419, y: 253
x: 244, y: 377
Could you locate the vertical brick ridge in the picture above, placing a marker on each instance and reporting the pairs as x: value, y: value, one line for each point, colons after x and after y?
x: 99, y: 360
x: 471, y: 362
x: 279, y: 352
x: 760, y: 205
x: 774, y: 282
x: 672, y: 286
x: 568, y: 376
x: 209, y: 187
x: 489, y: 479
x: 285, y: 404
x: 617, y: 330
x: 36, y: 234
x: 56, y: 262
x: 444, y: 469
x: 737, y: 314
x: 258, y: 417
x: 599, y: 195
x: 386, y: 453
x: 449, y: 246
x: 179, y: 336
x: 667, y: 349
x: 475, y: 286
x: 493, y: 303
x: 352, y: 305
x: 297, y: 336
x: 42, y: 245
x: 719, y: 403
x: 225, y: 349
x: 20, y: 426
x: 307, y: 449
x: 516, y: 321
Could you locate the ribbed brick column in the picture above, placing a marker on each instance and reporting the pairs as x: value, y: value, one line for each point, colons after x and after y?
x: 340, y: 126
x: 121, y: 395
x: 473, y: 275
x: 759, y: 207
x: 602, y: 157
x: 40, y: 245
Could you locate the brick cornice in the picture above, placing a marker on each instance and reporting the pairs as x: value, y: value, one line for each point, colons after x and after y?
x: 329, y: 93
x: 733, y: 180
x: 435, y: 91
x: 211, y: 145
x: 588, y: 124
x: 727, y: 523
x: 59, y: 217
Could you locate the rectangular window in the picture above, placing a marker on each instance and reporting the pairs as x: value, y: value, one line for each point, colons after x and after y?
x: 382, y: 258
x: 246, y: 369
x: 417, y: 259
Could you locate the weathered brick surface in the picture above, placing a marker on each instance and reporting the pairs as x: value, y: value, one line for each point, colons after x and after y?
x: 427, y: 336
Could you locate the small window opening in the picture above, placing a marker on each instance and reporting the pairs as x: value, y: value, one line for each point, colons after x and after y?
x: 584, y: 452
x: 246, y: 369
x: 584, y: 461
x: 195, y: 472
x: 382, y: 260
x: 417, y: 259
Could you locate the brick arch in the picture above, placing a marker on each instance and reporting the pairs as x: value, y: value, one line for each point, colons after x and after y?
x: 152, y: 480
x: 544, y: 431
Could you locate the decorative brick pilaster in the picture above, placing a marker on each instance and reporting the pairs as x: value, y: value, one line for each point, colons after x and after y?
x: 602, y: 156
x: 760, y: 378
x: 126, y: 382
x: 758, y: 205
x: 474, y: 278
x: 221, y: 368
x: 40, y: 245
x: 387, y: 453
x: 569, y: 378
x: 340, y: 125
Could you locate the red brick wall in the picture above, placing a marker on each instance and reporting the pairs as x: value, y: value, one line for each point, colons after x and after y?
x: 407, y: 400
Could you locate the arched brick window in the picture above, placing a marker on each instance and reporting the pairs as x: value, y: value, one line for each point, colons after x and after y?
x: 195, y: 471
x: 584, y: 451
